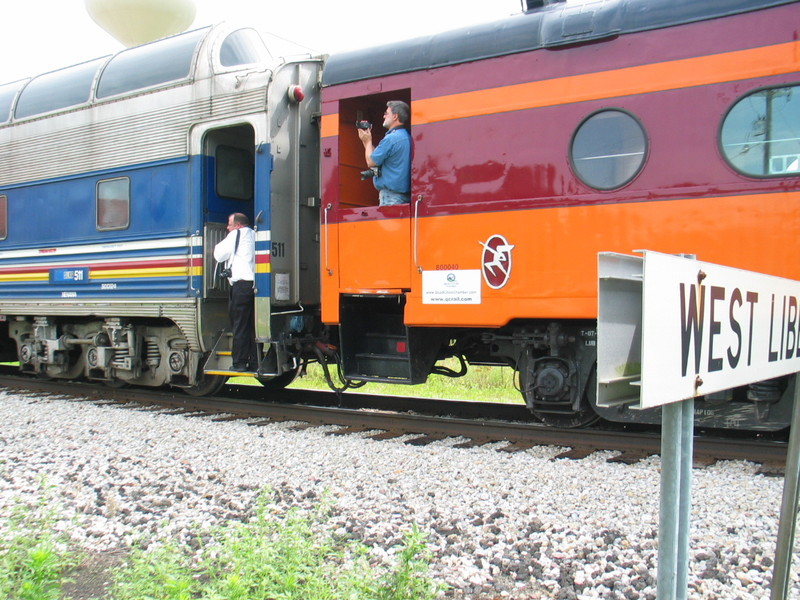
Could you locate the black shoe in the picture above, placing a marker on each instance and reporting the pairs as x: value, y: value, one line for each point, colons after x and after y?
x: 240, y: 368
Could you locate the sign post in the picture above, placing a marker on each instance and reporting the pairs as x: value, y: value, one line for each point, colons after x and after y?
x: 677, y: 444
x: 671, y: 329
x: 791, y: 496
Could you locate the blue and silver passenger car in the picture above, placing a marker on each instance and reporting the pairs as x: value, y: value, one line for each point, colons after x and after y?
x: 116, y: 179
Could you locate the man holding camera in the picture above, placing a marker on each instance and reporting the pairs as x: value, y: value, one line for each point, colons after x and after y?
x: 238, y: 252
x: 392, y: 157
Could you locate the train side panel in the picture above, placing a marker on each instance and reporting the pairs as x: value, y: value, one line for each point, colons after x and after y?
x: 113, y: 197
x: 526, y: 165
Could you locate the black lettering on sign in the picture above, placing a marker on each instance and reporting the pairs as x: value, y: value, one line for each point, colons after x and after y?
x: 752, y: 298
x: 736, y: 299
x: 783, y: 322
x: 796, y: 326
x: 717, y: 294
x: 694, y: 323
x: 791, y: 331
x: 691, y: 323
x: 789, y: 345
x: 773, y: 354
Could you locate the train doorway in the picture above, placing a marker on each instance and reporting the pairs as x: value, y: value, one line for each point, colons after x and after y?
x: 229, y: 173
x: 374, y: 242
x: 228, y: 185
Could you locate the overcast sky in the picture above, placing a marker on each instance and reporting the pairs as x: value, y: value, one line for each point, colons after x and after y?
x: 37, y: 36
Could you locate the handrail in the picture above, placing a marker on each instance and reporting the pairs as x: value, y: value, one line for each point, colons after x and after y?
x: 328, y: 207
x: 416, y: 232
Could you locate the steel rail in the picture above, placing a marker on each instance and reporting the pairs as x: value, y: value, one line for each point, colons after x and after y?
x: 517, y: 435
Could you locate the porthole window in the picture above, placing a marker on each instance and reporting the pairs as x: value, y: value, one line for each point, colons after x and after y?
x: 760, y: 135
x: 608, y: 149
x: 113, y: 203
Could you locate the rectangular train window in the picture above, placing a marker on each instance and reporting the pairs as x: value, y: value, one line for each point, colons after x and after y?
x: 3, y: 217
x: 355, y: 190
x: 235, y: 168
x: 113, y: 203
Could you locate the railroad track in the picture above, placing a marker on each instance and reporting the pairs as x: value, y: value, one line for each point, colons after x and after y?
x: 387, y: 417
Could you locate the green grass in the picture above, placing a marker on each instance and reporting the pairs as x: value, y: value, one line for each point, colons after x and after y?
x: 480, y: 384
x: 288, y: 557
x: 291, y: 556
x: 33, y: 557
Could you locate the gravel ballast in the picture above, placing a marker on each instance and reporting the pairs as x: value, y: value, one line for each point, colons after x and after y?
x: 517, y: 525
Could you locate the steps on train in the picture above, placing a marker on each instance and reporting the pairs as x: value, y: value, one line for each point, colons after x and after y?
x: 273, y: 360
x: 220, y: 360
x: 376, y: 345
x: 384, y: 356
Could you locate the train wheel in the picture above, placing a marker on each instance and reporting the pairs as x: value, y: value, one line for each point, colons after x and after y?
x: 547, y: 386
x: 279, y: 382
x: 572, y: 420
x: 115, y: 383
x: 207, y: 386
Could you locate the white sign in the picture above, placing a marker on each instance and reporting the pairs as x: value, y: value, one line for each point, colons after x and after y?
x: 283, y: 290
x: 707, y: 328
x: 451, y: 287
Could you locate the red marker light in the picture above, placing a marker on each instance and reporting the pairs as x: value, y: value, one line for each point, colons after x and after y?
x: 296, y: 93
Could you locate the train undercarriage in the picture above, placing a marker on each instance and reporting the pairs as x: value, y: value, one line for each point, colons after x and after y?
x: 554, y: 361
x: 150, y: 352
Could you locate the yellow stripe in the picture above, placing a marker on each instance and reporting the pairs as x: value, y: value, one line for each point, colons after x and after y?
x: 111, y: 274
x: 131, y: 273
x: 231, y: 373
x: 26, y: 277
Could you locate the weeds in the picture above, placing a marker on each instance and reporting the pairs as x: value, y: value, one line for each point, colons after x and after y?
x: 288, y: 558
x: 33, y: 557
x: 278, y: 558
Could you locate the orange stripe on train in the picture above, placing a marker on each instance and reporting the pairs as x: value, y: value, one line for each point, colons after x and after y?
x: 657, y: 77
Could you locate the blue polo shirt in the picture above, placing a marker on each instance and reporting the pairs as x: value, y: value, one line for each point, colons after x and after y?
x: 393, y: 156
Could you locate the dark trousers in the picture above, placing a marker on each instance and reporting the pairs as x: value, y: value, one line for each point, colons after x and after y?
x: 242, y: 312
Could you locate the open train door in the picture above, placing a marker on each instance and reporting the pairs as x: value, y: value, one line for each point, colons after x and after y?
x: 268, y: 170
x: 372, y: 249
x: 367, y: 249
x: 228, y: 182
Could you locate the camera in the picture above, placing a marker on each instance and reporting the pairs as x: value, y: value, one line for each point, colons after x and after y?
x: 363, y: 124
x: 225, y: 272
x: 373, y: 172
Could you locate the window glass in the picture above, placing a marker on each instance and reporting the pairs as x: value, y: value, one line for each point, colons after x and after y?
x: 243, y: 47
x: 760, y: 135
x: 3, y: 217
x: 7, y: 94
x: 113, y: 203
x: 608, y: 149
x: 60, y: 89
x: 153, y: 64
x: 234, y: 169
